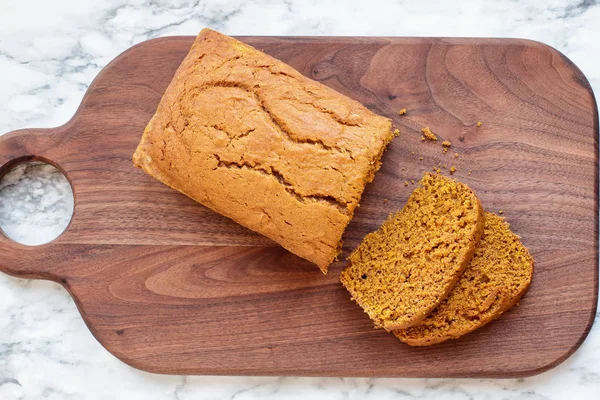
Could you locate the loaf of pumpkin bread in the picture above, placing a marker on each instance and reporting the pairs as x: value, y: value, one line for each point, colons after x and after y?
x: 253, y: 139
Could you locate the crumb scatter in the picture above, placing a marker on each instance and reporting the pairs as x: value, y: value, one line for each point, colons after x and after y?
x: 428, y: 135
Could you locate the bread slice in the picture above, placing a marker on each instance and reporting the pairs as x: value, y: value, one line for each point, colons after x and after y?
x: 499, y: 274
x: 255, y: 140
x: 401, y: 272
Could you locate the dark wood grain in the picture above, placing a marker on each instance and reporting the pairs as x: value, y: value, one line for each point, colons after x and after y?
x: 169, y: 286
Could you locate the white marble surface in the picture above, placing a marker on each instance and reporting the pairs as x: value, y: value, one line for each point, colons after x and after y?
x: 49, y: 53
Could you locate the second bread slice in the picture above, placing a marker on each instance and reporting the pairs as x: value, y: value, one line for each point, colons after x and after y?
x: 499, y: 273
x: 401, y: 272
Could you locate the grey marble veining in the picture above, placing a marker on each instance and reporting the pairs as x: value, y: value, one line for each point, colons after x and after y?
x: 36, y: 203
x: 49, y: 54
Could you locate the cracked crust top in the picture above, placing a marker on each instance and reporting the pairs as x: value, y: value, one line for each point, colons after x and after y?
x: 255, y: 140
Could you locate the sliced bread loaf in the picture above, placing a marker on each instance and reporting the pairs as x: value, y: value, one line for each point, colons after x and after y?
x: 497, y: 276
x: 401, y: 272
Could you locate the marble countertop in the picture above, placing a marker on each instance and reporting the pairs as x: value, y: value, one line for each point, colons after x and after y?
x: 50, y: 51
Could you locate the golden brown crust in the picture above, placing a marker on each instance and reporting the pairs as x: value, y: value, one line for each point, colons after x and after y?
x: 255, y: 140
x: 498, y: 275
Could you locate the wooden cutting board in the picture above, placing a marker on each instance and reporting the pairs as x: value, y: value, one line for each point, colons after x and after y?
x: 168, y: 286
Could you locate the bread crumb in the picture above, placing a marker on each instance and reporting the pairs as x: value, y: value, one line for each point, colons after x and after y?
x: 421, y: 158
x: 437, y: 169
x: 402, y: 169
x: 402, y: 112
x: 470, y: 172
x: 455, y: 155
x: 479, y: 123
x: 411, y: 181
x: 501, y: 212
x: 452, y: 169
x: 444, y: 166
x: 412, y: 152
x: 427, y: 134
x: 396, y: 132
x: 385, y: 200
x: 405, y: 183
x: 446, y: 145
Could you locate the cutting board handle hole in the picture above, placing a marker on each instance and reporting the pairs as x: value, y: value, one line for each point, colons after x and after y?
x: 31, y: 188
